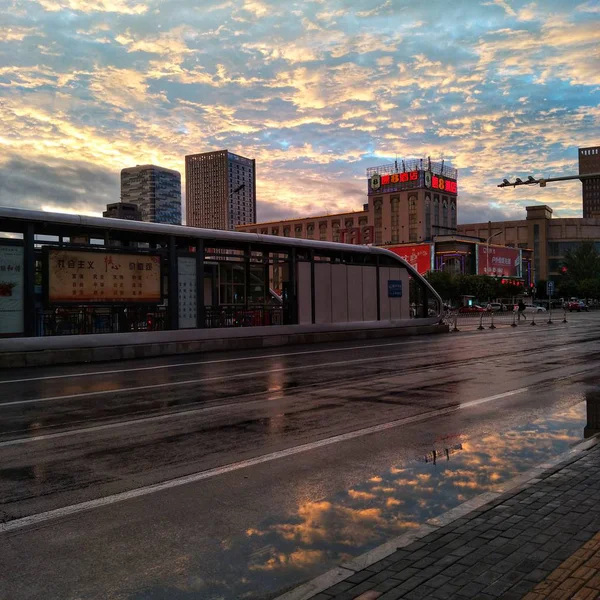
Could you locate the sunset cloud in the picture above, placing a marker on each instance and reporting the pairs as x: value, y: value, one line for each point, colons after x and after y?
x: 315, y: 91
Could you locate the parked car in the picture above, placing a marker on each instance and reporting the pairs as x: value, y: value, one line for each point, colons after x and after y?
x: 577, y: 305
x: 530, y: 308
x: 497, y: 307
x: 475, y: 308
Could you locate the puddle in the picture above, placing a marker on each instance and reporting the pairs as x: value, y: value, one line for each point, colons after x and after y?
x: 286, y: 550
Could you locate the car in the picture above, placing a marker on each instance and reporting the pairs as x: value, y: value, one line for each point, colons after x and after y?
x: 475, y: 308
x: 577, y: 305
x: 496, y: 307
x: 531, y: 308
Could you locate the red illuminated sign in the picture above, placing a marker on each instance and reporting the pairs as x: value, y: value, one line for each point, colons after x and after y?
x: 377, y: 181
x: 446, y: 185
x: 416, y: 255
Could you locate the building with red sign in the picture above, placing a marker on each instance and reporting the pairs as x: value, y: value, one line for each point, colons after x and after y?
x: 409, y: 201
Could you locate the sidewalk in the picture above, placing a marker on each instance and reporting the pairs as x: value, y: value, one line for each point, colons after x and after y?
x: 538, y: 540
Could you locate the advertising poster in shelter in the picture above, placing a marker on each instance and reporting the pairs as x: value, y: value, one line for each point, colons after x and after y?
x: 11, y: 290
x: 80, y: 276
x: 186, y: 271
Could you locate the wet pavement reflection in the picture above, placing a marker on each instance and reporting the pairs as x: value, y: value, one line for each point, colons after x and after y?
x: 287, y: 549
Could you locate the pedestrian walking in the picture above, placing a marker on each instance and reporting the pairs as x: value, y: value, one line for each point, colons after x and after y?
x: 521, y: 308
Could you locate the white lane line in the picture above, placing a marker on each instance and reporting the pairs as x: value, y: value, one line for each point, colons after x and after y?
x: 172, y: 384
x: 228, y: 377
x: 130, y: 422
x: 73, y: 509
x: 239, y: 359
x: 205, y: 362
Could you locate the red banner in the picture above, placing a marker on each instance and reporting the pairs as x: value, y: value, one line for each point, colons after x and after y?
x: 416, y: 255
x: 501, y: 261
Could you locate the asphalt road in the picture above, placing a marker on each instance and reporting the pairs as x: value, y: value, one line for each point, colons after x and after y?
x: 241, y: 475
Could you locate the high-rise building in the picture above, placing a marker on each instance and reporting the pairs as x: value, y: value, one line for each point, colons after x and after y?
x: 155, y: 190
x: 220, y: 190
x: 589, y: 162
x: 123, y: 210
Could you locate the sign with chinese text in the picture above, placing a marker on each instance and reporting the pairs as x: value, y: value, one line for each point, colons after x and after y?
x: 186, y: 276
x: 84, y: 276
x: 394, y: 288
x: 417, y: 256
x: 11, y: 290
x: 501, y: 261
x: 392, y: 182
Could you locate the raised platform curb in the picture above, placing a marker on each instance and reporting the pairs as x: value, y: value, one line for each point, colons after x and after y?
x: 30, y: 352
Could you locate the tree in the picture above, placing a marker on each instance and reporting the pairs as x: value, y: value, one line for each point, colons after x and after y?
x: 582, y: 263
x: 589, y: 288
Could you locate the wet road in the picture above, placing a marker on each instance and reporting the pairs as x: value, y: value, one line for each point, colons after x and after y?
x: 243, y: 474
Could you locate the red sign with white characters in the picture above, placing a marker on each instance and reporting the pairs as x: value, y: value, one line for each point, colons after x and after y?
x: 501, y: 261
x: 416, y: 255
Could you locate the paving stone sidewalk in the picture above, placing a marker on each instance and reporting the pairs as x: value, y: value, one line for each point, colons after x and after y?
x: 537, y: 541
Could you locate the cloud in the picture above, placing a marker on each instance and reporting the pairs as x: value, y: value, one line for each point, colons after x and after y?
x: 63, y: 186
x: 316, y: 92
x: 126, y: 7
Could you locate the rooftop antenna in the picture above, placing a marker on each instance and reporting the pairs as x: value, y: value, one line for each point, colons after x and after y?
x: 429, y: 163
x: 396, y: 163
x: 403, y: 167
x: 442, y: 169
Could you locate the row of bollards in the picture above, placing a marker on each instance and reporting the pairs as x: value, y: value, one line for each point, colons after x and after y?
x: 513, y: 324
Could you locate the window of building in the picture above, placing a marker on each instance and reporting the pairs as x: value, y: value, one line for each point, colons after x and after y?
x: 445, y: 213
x: 322, y: 231
x: 413, y: 228
x: 395, y: 218
x: 378, y: 218
x: 453, y: 214
x: 427, y: 217
x: 436, y: 212
x: 335, y: 226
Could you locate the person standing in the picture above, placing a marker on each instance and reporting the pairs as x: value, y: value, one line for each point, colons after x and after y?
x: 521, y: 309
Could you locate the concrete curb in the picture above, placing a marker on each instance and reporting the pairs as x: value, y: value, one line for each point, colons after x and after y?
x: 345, y: 570
x: 133, y: 346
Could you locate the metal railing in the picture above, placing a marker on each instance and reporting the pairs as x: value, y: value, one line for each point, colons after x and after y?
x: 239, y: 316
x: 88, y: 320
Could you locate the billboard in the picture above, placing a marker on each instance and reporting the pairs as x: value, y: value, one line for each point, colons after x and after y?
x: 502, y: 261
x: 88, y: 276
x: 419, y: 256
x: 11, y: 290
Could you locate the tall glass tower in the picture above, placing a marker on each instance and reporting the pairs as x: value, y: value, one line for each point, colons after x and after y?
x: 155, y: 190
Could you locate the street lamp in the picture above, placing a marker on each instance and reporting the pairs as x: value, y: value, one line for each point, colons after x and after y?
x: 487, y: 254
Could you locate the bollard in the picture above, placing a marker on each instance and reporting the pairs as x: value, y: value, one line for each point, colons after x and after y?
x: 481, y: 322
x: 492, y: 326
x: 550, y: 317
x: 533, y: 319
x: 565, y: 317
x: 514, y: 323
x: 456, y: 323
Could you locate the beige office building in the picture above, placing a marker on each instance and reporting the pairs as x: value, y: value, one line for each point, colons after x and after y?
x: 549, y: 238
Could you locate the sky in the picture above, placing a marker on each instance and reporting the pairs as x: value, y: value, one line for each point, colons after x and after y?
x: 316, y: 91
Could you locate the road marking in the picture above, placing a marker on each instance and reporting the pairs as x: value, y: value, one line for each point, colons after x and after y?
x: 206, y: 362
x: 239, y: 359
x: 73, y: 509
x: 233, y: 376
